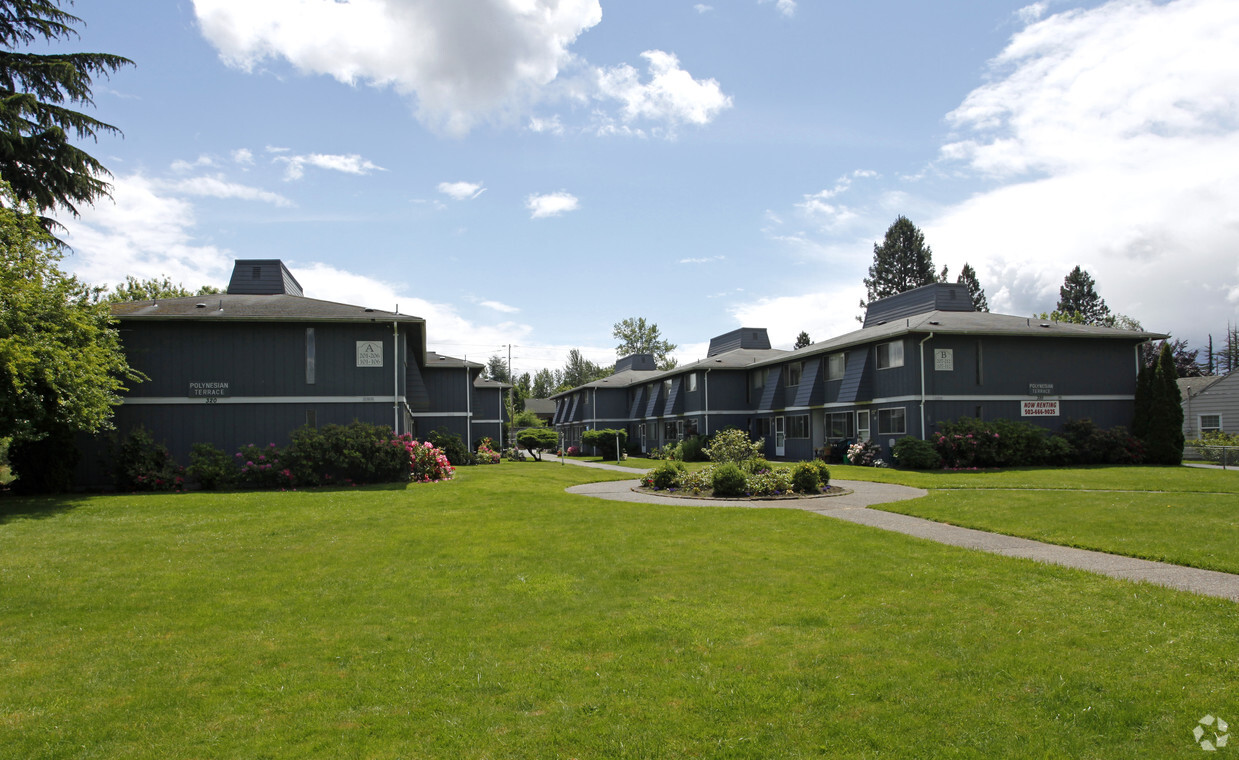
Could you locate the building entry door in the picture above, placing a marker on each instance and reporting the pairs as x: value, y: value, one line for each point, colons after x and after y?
x: 862, y: 426
x: 779, y: 437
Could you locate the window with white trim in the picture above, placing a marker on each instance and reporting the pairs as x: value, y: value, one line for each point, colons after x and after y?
x: 835, y: 366
x: 1210, y: 423
x: 890, y: 355
x: 892, y: 421
x: 839, y: 425
x: 692, y: 382
x: 794, y: 371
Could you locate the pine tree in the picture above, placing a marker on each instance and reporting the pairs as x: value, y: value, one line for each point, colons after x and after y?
x: 968, y: 278
x: 802, y: 340
x: 36, y: 156
x: 902, y: 262
x: 1209, y: 357
x: 1078, y: 295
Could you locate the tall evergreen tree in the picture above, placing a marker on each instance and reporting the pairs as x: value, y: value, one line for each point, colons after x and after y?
x: 802, y: 340
x: 1078, y: 295
x: 578, y: 371
x: 1209, y: 357
x: 1163, y: 442
x: 37, y: 95
x: 902, y: 262
x: 1144, y: 399
x: 968, y: 278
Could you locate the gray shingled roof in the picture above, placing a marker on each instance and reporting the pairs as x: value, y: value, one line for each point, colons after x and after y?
x: 442, y: 360
x: 254, y: 308
x: 1197, y: 385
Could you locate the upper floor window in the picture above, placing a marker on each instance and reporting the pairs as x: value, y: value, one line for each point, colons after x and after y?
x: 692, y: 382
x: 666, y: 388
x: 890, y: 354
x: 835, y: 366
x: 794, y: 371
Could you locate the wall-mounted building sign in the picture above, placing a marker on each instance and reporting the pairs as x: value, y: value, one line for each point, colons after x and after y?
x: 1039, y: 408
x: 944, y: 359
x: 1041, y: 389
x: 209, y: 390
x: 369, y: 353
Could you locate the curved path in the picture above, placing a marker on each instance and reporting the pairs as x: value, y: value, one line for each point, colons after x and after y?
x: 853, y: 507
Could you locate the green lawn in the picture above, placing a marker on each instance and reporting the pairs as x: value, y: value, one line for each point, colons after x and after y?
x: 1184, y: 515
x: 498, y: 617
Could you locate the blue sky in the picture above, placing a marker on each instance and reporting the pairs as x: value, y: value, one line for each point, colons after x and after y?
x: 530, y: 172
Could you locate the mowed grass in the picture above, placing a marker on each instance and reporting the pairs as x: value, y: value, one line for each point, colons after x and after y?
x: 1183, y: 515
x: 498, y: 617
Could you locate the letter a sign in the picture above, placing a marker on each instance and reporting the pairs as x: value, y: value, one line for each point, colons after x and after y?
x: 369, y: 353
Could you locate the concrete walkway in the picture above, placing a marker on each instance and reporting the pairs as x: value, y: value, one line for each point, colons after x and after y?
x: 853, y: 507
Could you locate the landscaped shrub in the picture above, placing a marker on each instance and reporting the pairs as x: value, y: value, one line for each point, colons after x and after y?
x: 144, y: 465
x: 487, y: 452
x: 733, y: 446
x: 1094, y: 445
x: 209, y: 467
x: 863, y: 454
x: 451, y: 445
x: 262, y: 467
x: 605, y: 441
x: 757, y: 465
x: 666, y: 475
x: 692, y: 449
x: 665, y: 452
x: 773, y: 482
x: 1209, y: 447
x: 728, y: 479
x: 574, y: 451
x: 427, y: 463
x: 915, y: 454
x: 696, y: 482
x: 45, y: 465
x: 969, y: 442
x: 358, y: 452
x: 1058, y: 451
x: 823, y: 471
x: 805, y: 478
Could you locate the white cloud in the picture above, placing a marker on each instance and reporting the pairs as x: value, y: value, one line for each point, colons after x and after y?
x: 786, y: 7
x: 461, y: 191
x: 823, y: 315
x: 1116, y: 132
x: 465, y: 60
x: 243, y: 156
x: 703, y: 8
x: 551, y: 125
x: 671, y: 96
x: 1030, y: 13
x: 551, y: 204
x: 218, y: 187
x: 498, y: 306
x: 348, y: 164
x: 702, y: 260
x: 181, y: 165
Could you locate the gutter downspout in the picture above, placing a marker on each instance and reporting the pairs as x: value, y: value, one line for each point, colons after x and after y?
x: 706, y: 380
x: 469, y: 408
x: 922, y: 353
x: 395, y: 377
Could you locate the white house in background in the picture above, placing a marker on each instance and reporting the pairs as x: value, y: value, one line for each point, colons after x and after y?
x: 1210, y: 404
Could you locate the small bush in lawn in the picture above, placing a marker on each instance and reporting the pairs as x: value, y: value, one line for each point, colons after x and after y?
x: 863, y: 453
x: 805, y: 478
x: 666, y: 475
x: 451, y: 445
x: 915, y: 454
x: 487, y: 452
x: 605, y: 441
x: 537, y: 440
x: 143, y: 465
x: 209, y: 467
x: 728, y: 479
x: 733, y: 446
x: 1094, y: 445
x: 574, y: 451
x: 666, y: 452
x: 823, y: 471
x: 427, y: 463
x: 696, y: 482
x: 358, y: 452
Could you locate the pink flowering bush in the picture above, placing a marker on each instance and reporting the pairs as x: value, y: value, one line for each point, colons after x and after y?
x: 144, y: 465
x: 574, y: 451
x: 487, y: 452
x: 428, y: 464
x: 262, y: 467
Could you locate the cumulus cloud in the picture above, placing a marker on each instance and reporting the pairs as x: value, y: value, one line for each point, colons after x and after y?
x: 702, y: 259
x: 703, y: 8
x: 785, y: 7
x: 243, y: 156
x: 465, y: 60
x: 551, y: 204
x: 671, y: 96
x: 1115, y: 135
x: 181, y: 165
x: 824, y: 314
x: 461, y: 191
x: 348, y: 164
x: 499, y: 306
x: 218, y: 187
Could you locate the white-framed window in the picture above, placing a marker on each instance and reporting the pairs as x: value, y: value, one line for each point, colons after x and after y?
x: 692, y: 382
x: 794, y: 371
x: 839, y: 425
x: 890, y: 355
x: 666, y: 388
x: 835, y: 366
x: 798, y: 426
x: 892, y: 421
x: 1210, y: 423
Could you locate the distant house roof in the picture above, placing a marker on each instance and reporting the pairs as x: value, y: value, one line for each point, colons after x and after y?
x: 1194, y: 386
x: 254, y: 308
x: 540, y: 406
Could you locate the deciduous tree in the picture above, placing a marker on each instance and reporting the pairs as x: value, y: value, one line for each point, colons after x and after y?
x: 636, y: 336
x: 133, y: 289
x: 578, y: 371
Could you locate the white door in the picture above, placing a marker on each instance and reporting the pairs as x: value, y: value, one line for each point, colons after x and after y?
x: 862, y: 426
x: 778, y: 436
